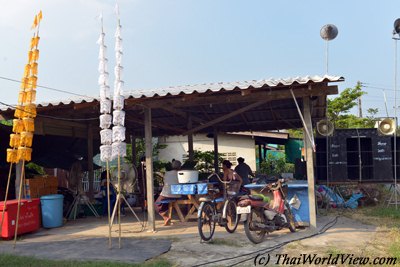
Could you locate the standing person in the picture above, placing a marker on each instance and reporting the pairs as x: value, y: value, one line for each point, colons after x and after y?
x: 170, y: 177
x: 244, y: 171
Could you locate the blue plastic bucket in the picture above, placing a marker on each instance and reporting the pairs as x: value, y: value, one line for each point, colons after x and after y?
x: 52, y: 210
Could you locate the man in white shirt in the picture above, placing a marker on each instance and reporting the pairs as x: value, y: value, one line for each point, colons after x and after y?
x: 170, y: 177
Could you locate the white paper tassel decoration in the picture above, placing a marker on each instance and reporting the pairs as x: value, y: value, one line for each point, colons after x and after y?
x: 118, y: 57
x: 103, y: 66
x: 105, y: 102
x: 118, y: 133
x: 118, y: 44
x: 103, y: 78
x: 119, y: 117
x: 105, y: 92
x: 106, y: 136
x: 119, y: 102
x: 118, y: 88
x: 105, y: 153
x: 118, y: 149
x: 118, y: 73
x: 105, y: 121
x: 105, y: 106
x: 102, y: 52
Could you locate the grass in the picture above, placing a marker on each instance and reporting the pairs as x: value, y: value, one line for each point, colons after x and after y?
x: 24, y: 261
x: 334, y: 251
x: 383, y: 212
x: 375, y: 215
x: 394, y: 247
x: 388, y: 219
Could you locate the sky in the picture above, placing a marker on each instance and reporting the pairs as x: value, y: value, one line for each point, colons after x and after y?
x: 181, y: 42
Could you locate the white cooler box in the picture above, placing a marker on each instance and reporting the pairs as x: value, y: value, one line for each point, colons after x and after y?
x: 185, y: 176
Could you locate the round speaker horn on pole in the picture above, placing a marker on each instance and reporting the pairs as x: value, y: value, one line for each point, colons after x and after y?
x: 325, y: 127
x: 387, y: 126
x: 329, y: 32
x: 396, y: 26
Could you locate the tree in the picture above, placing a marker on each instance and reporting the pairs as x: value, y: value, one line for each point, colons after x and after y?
x: 339, y: 107
x: 346, y: 100
x: 338, y: 110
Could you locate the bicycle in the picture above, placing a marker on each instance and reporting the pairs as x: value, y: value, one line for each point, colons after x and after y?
x: 209, y: 213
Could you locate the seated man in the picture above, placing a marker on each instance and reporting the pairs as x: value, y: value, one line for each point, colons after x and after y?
x: 113, y: 196
x: 170, y: 177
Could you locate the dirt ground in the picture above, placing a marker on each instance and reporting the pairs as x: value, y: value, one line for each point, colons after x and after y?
x: 345, y: 236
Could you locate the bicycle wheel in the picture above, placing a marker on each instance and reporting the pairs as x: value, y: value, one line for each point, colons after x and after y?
x: 205, y: 222
x: 232, y: 218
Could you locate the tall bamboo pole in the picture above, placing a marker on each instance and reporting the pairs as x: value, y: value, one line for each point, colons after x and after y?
x: 19, y: 201
x: 119, y: 200
x: 108, y: 206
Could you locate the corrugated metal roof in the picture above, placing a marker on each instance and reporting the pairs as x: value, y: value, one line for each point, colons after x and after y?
x: 202, y: 88
x: 223, y: 86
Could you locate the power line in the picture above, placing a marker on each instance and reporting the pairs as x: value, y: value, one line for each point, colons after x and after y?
x: 49, y: 117
x: 376, y: 87
x: 49, y: 88
x: 269, y: 249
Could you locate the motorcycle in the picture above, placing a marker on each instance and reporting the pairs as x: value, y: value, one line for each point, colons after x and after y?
x: 262, y: 216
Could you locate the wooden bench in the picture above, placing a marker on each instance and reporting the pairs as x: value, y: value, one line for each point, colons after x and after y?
x: 174, y: 204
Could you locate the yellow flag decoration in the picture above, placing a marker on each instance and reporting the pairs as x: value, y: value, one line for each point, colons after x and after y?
x: 23, y: 124
x: 37, y: 19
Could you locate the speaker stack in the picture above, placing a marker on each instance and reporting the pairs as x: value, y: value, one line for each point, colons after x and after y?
x: 356, y: 155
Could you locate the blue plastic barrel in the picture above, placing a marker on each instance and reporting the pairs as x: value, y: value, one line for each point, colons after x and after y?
x: 52, y: 210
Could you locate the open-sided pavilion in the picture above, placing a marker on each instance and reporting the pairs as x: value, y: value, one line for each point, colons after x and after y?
x: 258, y: 105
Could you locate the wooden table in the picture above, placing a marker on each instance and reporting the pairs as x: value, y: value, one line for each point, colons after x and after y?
x: 192, y: 201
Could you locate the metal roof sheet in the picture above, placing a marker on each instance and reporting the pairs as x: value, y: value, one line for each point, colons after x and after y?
x: 202, y: 88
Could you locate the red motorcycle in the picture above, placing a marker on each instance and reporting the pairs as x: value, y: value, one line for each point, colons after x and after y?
x: 264, y: 216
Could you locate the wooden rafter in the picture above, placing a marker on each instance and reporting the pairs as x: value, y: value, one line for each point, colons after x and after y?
x: 227, y: 116
x: 181, y: 113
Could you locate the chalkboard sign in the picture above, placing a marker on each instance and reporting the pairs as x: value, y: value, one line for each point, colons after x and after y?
x: 382, y: 156
x: 337, y: 159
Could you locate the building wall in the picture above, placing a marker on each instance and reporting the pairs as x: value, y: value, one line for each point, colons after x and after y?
x: 243, y: 146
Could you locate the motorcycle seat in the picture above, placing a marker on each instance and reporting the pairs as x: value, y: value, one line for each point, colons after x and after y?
x: 256, y: 198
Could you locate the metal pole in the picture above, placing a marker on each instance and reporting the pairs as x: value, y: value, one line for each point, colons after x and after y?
x: 384, y: 97
x: 327, y: 57
x: 395, y: 118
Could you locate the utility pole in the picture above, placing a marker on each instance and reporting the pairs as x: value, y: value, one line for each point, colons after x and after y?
x: 359, y: 107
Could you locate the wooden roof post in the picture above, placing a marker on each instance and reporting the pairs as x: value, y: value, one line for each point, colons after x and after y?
x: 216, y: 165
x: 149, y: 169
x: 134, y: 150
x: 90, y: 160
x: 310, y: 163
x: 190, y: 139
